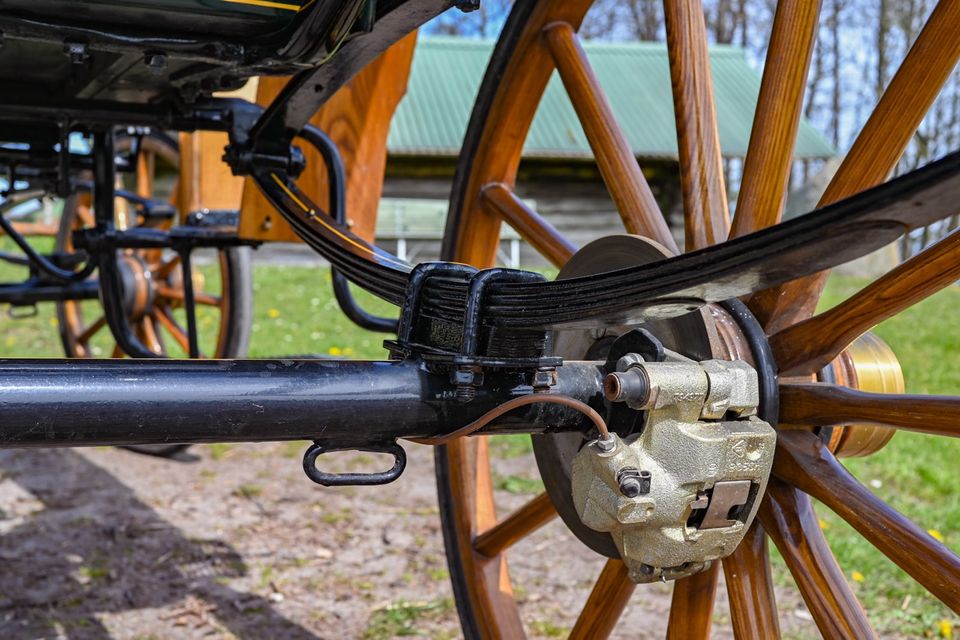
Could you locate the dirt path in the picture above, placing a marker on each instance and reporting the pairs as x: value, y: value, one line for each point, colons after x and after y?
x: 236, y: 542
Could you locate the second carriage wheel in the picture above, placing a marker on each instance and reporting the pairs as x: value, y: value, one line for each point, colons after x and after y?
x: 153, y: 278
x: 839, y: 388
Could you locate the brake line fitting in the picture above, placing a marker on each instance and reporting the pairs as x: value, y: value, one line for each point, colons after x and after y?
x: 682, y: 492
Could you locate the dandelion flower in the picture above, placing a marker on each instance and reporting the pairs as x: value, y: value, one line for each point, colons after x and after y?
x: 856, y: 575
x: 936, y: 535
x: 334, y: 351
x: 273, y: 313
x: 945, y: 627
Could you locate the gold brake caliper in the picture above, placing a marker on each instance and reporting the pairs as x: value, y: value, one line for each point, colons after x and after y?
x: 683, y: 493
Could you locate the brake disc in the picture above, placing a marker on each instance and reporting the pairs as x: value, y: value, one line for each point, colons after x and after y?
x: 693, y: 335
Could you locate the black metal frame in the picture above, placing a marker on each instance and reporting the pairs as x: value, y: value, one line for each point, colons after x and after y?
x: 65, y: 403
x: 258, y: 138
x: 55, y: 278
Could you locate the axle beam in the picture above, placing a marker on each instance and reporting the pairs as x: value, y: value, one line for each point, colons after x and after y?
x: 47, y: 403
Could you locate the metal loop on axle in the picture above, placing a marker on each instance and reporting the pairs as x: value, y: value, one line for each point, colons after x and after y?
x: 328, y: 479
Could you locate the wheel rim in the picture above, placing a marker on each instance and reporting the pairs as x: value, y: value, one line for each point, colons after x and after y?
x: 540, y: 36
x: 153, y: 276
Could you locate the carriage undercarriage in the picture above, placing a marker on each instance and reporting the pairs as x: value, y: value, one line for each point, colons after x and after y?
x: 655, y: 396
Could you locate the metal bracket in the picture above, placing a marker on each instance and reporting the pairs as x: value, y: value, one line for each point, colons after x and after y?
x: 328, y: 479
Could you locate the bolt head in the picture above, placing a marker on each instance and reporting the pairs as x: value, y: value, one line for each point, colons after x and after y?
x: 155, y: 61
x: 546, y: 378
x: 630, y: 487
x: 77, y: 52
x: 606, y: 444
x: 462, y: 376
x: 633, y: 482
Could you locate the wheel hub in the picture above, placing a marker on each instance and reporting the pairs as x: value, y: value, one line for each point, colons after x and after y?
x: 137, y: 285
x: 869, y: 364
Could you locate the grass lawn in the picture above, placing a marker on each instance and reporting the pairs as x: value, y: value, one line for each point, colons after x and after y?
x: 295, y: 313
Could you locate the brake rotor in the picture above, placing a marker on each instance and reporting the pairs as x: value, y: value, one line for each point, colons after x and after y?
x: 693, y: 335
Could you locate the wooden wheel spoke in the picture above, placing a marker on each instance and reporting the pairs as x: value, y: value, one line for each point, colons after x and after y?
x: 146, y: 166
x: 878, y: 148
x: 788, y: 518
x: 172, y: 293
x: 532, y: 227
x: 84, y: 216
x: 691, y: 608
x: 167, y: 268
x: 173, y: 328
x: 628, y: 187
x: 753, y: 605
x: 516, y: 526
x: 149, y: 335
x: 808, y: 346
x: 607, y: 601
x: 117, y: 352
x: 89, y: 332
x: 706, y: 211
x: 769, y: 156
x: 820, y: 404
x: 806, y: 463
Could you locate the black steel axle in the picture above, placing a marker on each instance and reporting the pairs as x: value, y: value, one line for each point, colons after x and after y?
x: 51, y: 403
x: 33, y: 291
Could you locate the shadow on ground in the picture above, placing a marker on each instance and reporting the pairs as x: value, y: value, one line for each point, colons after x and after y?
x: 119, y: 554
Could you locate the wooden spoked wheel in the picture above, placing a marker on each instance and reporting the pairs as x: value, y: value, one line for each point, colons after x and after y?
x: 540, y: 36
x: 153, y: 278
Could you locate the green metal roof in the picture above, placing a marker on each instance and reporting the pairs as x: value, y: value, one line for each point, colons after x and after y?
x: 446, y: 74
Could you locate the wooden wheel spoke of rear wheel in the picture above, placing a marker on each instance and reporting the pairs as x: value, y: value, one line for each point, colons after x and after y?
x: 146, y: 166
x: 89, y: 332
x: 533, y: 228
x: 769, y: 158
x: 808, y: 346
x: 705, y: 207
x: 173, y: 293
x: 618, y: 166
x: 167, y: 321
x: 167, y: 268
x: 788, y: 518
x: 84, y: 217
x: 148, y: 334
x: 691, y: 607
x: 821, y: 404
x: 608, y: 599
x: 516, y: 526
x: 805, y: 462
x: 753, y: 605
x: 877, y: 149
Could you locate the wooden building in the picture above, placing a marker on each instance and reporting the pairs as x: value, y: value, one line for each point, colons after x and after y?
x: 558, y: 176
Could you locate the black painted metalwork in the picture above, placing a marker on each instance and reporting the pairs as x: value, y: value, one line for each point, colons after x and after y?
x: 767, y: 371
x: 292, y: 109
x: 329, y: 479
x: 671, y: 287
x: 337, y: 201
x: 111, y: 278
x: 47, y: 403
x: 34, y: 290
x: 190, y: 303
